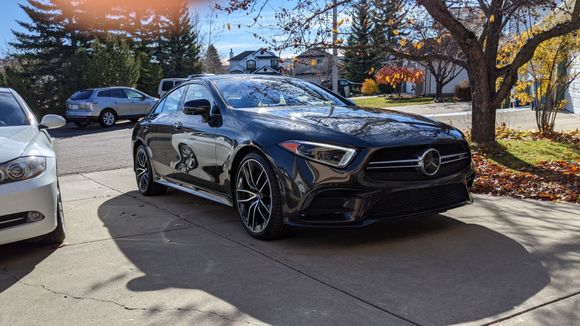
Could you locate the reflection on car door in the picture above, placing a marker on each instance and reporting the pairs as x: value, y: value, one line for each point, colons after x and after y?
x: 160, y: 124
x: 193, y: 139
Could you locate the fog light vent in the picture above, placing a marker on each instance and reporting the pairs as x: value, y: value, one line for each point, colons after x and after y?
x: 34, y: 217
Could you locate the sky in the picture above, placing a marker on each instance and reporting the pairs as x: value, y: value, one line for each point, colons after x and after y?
x: 238, y: 39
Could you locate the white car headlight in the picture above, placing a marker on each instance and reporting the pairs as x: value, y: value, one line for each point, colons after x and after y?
x: 22, y: 168
x: 333, y: 155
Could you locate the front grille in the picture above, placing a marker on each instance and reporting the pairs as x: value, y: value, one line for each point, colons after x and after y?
x: 416, y: 201
x: 403, y: 163
x: 7, y: 221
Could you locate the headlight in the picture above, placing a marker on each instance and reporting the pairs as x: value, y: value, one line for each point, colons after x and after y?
x: 22, y: 168
x: 333, y: 155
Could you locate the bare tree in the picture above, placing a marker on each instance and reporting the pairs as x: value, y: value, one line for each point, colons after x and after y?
x: 478, y: 26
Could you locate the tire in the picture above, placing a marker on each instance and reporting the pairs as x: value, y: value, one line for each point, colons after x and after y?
x: 254, y: 199
x: 108, y: 118
x: 57, y: 236
x: 81, y: 124
x: 144, y: 174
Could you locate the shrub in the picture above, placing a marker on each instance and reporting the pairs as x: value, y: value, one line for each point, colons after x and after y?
x: 462, y: 91
x: 369, y: 87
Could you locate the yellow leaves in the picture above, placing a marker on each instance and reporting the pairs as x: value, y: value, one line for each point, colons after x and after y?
x: 419, y: 45
x: 395, y: 32
x: 403, y: 41
x: 313, y: 62
x: 372, y: 70
x: 391, y: 22
x: 229, y: 26
x: 491, y: 19
x: 340, y: 22
x: 369, y: 87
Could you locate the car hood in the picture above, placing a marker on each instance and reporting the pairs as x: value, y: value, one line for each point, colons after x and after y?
x: 15, y: 140
x: 368, y: 126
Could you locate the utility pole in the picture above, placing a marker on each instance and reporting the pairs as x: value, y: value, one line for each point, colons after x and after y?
x: 334, y: 61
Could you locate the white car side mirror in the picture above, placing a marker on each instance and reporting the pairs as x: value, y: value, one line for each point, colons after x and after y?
x: 52, y: 121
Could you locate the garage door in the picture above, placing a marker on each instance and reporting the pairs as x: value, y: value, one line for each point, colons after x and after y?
x: 573, y: 94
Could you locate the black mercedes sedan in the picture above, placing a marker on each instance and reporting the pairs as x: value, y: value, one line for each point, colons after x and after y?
x: 285, y: 152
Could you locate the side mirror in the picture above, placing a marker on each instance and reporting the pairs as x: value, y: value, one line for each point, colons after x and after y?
x: 52, y: 121
x: 197, y: 107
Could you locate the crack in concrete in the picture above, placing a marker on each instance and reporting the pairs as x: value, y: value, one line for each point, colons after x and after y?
x: 125, y: 307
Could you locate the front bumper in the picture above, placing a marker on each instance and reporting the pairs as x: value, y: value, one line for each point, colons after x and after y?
x: 38, y: 195
x: 318, y: 195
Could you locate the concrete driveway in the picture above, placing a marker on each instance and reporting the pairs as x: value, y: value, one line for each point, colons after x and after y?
x: 181, y: 260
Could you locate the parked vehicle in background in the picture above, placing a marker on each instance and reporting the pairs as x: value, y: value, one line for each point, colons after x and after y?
x: 30, y: 203
x: 167, y: 84
x: 107, y: 105
x: 346, y: 88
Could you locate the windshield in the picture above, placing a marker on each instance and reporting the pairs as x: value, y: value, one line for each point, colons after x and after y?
x: 11, y: 113
x: 262, y: 92
x: 82, y: 95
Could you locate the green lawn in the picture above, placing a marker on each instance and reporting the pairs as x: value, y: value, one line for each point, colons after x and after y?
x: 381, y: 102
x: 521, y: 153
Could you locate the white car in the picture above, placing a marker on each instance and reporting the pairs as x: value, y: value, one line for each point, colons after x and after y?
x: 30, y: 203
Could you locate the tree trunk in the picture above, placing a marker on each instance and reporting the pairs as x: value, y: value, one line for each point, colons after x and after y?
x: 483, y: 108
x: 438, y: 89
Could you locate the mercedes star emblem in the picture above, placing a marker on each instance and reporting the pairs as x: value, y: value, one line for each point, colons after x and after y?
x: 430, y: 162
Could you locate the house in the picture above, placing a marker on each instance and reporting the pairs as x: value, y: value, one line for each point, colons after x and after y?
x: 573, y: 91
x: 314, y: 65
x: 259, y: 61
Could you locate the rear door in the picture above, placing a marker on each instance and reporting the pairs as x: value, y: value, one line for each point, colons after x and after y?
x: 122, y: 103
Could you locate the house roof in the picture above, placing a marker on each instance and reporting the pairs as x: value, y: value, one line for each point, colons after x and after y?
x: 242, y: 55
x: 310, y: 53
x: 268, y: 55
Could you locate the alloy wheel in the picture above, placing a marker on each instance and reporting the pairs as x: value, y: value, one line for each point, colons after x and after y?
x: 142, y: 170
x: 254, y: 196
x: 109, y: 118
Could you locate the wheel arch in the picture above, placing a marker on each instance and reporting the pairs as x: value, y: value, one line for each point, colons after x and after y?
x: 240, y: 154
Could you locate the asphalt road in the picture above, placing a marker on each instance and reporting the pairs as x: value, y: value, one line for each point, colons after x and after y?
x: 98, y: 149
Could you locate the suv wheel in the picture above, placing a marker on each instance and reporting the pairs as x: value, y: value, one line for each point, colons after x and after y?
x: 144, y: 174
x: 257, y: 198
x: 108, y: 118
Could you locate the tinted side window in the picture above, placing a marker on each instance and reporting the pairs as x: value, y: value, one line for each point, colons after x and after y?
x: 104, y: 94
x: 82, y: 95
x: 173, y: 100
x: 118, y: 93
x: 167, y: 85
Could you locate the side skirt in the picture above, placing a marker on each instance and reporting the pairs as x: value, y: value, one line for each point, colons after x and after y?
x: 198, y: 192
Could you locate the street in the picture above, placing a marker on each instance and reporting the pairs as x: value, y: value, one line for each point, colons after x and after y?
x: 98, y: 149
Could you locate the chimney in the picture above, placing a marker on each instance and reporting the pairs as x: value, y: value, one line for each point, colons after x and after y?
x: 231, y: 53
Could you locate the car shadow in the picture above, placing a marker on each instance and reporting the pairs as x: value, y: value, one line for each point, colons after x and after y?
x: 434, y: 270
x: 19, y: 259
x: 70, y: 130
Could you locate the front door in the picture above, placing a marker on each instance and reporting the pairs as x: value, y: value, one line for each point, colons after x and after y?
x: 193, y: 140
x: 160, y: 124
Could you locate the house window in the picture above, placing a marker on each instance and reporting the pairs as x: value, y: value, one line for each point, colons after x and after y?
x: 251, y: 65
x: 274, y: 63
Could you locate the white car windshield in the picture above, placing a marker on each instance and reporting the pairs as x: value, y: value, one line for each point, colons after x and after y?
x: 11, y: 113
x: 263, y: 92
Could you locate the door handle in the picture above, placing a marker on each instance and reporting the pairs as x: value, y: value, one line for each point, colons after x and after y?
x: 178, y: 125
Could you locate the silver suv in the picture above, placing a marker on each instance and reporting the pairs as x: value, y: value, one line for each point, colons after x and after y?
x: 107, y: 105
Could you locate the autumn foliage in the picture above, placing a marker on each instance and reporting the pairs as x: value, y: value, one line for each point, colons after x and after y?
x: 394, y: 76
x: 369, y: 87
x: 557, y: 180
